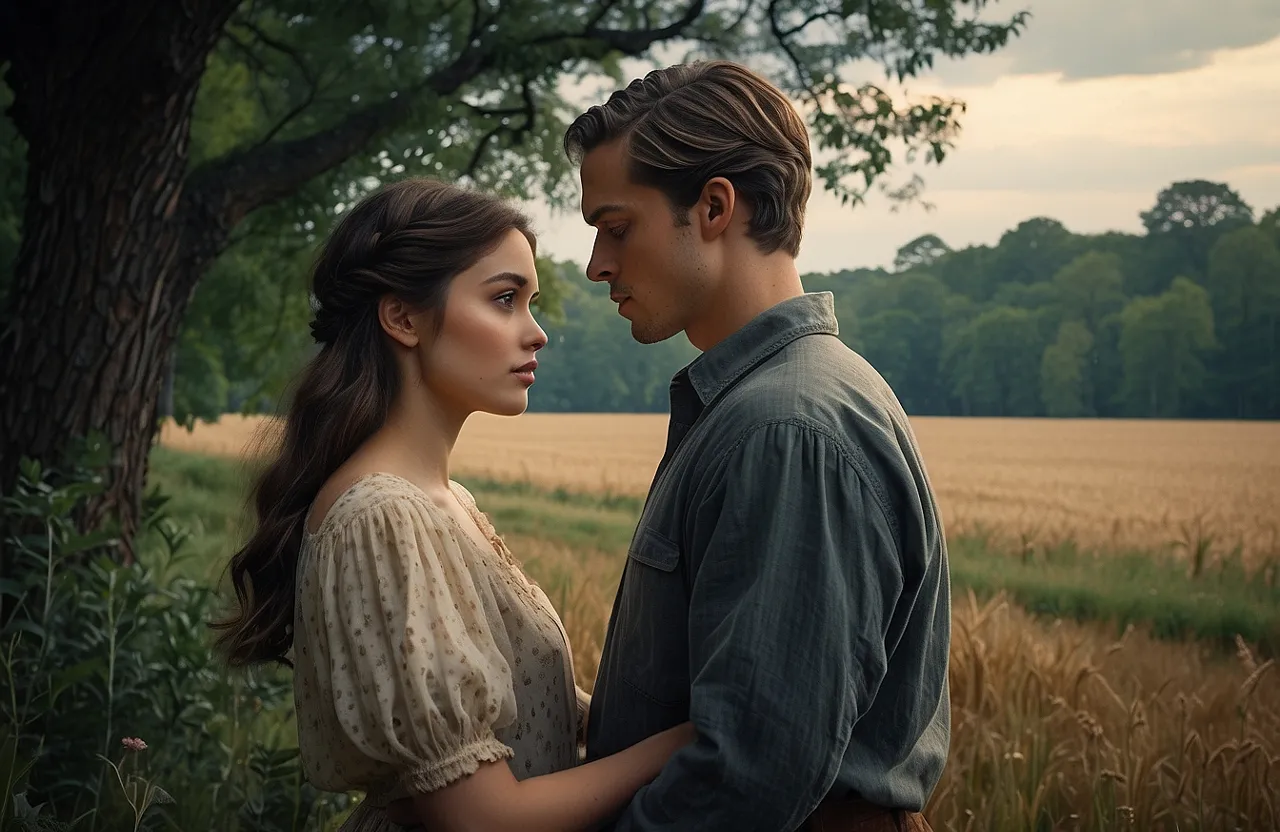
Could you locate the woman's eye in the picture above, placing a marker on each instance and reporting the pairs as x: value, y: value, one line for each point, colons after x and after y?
x: 507, y: 299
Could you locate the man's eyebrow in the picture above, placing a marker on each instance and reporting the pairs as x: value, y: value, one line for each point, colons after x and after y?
x: 518, y: 279
x: 601, y: 211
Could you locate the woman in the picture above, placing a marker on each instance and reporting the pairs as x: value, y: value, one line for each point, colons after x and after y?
x: 426, y: 665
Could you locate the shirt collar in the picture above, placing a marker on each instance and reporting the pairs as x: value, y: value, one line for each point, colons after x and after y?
x: 771, y: 330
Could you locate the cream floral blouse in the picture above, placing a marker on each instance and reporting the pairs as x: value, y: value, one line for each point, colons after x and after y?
x: 419, y: 655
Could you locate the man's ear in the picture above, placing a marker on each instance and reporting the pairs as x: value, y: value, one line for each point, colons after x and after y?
x: 396, y: 320
x: 715, y: 207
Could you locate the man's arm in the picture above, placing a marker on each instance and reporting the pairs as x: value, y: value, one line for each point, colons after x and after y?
x: 797, y: 573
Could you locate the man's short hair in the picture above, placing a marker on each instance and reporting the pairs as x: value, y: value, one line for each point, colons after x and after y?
x: 688, y: 123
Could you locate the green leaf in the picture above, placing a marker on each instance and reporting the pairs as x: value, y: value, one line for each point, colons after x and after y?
x: 74, y: 675
x: 27, y: 626
x: 85, y: 542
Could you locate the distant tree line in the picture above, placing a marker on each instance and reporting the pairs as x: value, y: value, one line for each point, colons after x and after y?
x: 1180, y: 321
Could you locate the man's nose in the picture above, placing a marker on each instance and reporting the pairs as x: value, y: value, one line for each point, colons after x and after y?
x: 599, y: 269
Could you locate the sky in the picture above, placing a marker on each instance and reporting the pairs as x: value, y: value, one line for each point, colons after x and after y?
x: 1096, y: 107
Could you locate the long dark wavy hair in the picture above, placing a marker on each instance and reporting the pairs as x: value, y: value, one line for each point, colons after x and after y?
x: 408, y: 240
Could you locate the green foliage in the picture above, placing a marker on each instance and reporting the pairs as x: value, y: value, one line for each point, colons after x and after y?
x: 974, y: 331
x: 98, y: 654
x: 486, y: 85
x: 1065, y: 378
x: 995, y: 361
x: 591, y: 363
x: 246, y: 332
x: 1032, y: 252
x: 1148, y: 588
x: 1163, y: 341
x: 1034, y: 325
x: 1090, y: 288
x: 13, y: 175
x: 921, y: 252
x: 1191, y: 215
x: 1244, y: 285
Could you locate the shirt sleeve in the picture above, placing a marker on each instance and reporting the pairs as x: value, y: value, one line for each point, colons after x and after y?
x: 417, y: 677
x: 797, y: 571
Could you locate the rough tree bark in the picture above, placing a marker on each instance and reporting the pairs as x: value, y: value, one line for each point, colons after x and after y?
x: 117, y: 230
x: 103, y: 94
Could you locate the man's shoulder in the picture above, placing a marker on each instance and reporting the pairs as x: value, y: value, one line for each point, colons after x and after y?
x: 817, y: 382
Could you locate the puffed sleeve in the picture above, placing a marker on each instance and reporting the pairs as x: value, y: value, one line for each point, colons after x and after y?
x: 417, y: 679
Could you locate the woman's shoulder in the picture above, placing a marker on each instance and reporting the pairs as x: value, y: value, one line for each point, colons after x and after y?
x: 364, y: 497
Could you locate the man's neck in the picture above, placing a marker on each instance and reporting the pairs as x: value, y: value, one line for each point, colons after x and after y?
x: 746, y: 292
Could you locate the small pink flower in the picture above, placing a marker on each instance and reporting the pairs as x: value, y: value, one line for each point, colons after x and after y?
x: 133, y: 744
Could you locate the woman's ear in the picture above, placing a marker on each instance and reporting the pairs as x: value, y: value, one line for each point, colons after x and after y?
x: 397, y: 321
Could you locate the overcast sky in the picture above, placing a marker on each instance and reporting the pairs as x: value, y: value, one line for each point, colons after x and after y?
x: 1099, y: 105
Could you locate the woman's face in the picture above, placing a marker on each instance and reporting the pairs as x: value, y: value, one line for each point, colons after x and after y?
x: 482, y: 357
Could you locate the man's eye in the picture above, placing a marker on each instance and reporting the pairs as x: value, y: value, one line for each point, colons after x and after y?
x: 618, y: 231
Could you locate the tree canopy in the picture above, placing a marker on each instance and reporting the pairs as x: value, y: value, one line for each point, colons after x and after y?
x: 1007, y: 330
x: 167, y: 142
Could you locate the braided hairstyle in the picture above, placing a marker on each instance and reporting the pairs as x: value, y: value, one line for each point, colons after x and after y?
x: 408, y: 240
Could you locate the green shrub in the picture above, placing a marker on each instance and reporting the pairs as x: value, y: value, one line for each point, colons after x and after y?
x: 94, y: 653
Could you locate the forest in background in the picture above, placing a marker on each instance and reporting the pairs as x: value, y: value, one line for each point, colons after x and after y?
x: 1177, y: 322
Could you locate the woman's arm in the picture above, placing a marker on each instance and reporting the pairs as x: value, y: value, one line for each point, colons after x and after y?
x: 579, y: 798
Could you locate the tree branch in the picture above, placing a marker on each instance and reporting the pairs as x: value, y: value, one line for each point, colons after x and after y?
x: 220, y: 193
x: 247, y: 51
x: 293, y: 113
x: 528, y: 109
x: 605, y: 6
x: 802, y: 75
x: 224, y: 190
x: 633, y: 42
x: 742, y: 18
x: 626, y: 41
x: 284, y: 49
x: 477, y: 21
x: 807, y: 22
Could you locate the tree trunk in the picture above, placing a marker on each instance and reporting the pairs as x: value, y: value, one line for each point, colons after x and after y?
x: 117, y: 232
x: 103, y: 94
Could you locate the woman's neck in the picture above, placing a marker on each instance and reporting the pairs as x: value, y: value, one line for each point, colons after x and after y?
x: 417, y: 439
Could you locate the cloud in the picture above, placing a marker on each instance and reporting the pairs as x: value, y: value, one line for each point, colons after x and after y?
x: 1083, y: 39
x: 1091, y: 153
x: 1059, y: 167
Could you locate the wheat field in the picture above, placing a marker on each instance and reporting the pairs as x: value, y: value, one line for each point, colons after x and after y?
x: 1055, y: 725
x: 1108, y: 484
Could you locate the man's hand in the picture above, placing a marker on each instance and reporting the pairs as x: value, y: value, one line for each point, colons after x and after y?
x: 401, y: 813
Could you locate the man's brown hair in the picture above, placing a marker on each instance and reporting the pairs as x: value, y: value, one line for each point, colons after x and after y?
x: 689, y: 123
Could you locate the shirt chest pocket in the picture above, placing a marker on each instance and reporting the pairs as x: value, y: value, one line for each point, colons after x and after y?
x: 655, y: 609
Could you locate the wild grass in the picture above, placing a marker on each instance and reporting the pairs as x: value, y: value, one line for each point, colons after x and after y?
x: 1090, y: 691
x: 1188, y: 489
x: 1055, y: 725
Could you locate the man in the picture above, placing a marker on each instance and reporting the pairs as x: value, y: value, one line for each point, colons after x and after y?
x: 787, y: 587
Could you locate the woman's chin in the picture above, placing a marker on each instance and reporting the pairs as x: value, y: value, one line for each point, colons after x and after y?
x: 514, y: 405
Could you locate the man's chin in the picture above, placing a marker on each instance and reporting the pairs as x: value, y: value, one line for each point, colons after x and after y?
x: 649, y: 335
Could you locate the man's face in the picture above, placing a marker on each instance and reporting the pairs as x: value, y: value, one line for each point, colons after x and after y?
x: 656, y: 268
